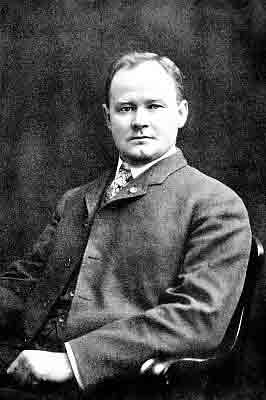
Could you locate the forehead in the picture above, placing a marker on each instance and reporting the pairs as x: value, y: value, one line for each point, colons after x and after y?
x: 148, y: 79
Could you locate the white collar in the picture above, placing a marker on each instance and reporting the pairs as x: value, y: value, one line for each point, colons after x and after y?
x: 136, y: 171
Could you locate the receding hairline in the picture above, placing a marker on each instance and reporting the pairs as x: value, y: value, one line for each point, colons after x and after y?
x: 135, y: 59
x: 146, y: 67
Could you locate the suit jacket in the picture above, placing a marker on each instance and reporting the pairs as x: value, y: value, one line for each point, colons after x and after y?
x: 162, y: 266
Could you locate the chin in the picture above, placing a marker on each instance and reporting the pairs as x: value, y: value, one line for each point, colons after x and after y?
x: 140, y: 158
x: 141, y: 154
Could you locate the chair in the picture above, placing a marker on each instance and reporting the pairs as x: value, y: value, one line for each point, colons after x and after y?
x: 168, y: 371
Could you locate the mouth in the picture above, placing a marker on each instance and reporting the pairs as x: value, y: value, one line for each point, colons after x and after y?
x: 139, y: 138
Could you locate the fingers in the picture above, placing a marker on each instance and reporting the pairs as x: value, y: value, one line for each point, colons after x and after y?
x: 22, y: 371
x: 36, y: 366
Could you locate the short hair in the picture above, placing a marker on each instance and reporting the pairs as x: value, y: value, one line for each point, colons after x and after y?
x: 134, y: 59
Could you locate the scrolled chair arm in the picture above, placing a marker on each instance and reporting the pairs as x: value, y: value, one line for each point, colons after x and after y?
x: 172, y: 369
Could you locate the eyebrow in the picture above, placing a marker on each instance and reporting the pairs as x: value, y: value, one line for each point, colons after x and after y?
x: 155, y: 101
x: 146, y: 101
x: 125, y: 102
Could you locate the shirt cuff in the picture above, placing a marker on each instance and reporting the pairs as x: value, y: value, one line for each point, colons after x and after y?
x: 73, y: 364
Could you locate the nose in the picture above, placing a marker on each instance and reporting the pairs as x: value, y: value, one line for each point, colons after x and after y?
x: 140, y: 119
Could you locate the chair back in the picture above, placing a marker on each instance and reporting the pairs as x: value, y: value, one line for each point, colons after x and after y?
x: 237, y: 330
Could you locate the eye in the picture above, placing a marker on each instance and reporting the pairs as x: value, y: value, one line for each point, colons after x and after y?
x: 154, y: 106
x: 126, y: 108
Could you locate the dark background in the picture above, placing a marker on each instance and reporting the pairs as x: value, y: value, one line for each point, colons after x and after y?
x: 53, y: 61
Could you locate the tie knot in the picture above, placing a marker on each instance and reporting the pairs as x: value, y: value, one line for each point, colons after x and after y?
x: 124, y: 174
x: 124, y: 167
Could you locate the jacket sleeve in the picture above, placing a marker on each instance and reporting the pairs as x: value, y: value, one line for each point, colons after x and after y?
x: 21, y: 276
x: 192, y: 316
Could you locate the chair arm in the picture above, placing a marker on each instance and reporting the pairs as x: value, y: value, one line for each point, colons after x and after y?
x: 172, y: 369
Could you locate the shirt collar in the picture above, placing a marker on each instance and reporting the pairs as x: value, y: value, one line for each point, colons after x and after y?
x: 136, y: 171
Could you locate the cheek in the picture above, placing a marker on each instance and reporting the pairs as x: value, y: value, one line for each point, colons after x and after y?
x: 167, y: 131
x: 171, y: 125
x: 119, y: 131
x: 119, y: 124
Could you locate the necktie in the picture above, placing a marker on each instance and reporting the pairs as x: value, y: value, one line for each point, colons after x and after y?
x: 121, y: 180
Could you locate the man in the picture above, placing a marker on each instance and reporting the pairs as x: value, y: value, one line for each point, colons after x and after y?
x: 144, y: 262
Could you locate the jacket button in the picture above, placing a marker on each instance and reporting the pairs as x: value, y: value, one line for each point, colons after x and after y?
x: 68, y: 262
x: 61, y: 320
x: 133, y: 189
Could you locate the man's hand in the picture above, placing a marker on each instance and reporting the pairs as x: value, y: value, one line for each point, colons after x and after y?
x: 35, y: 366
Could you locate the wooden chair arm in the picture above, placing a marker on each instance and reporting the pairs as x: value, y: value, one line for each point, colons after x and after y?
x: 173, y: 369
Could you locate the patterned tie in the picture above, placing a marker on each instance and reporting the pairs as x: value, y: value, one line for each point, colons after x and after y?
x: 123, y: 177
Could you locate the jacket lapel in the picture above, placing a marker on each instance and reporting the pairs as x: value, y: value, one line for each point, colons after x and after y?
x: 160, y: 171
x: 155, y: 175
x: 73, y: 231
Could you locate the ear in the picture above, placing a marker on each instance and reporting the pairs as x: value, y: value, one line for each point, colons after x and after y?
x: 106, y: 113
x: 182, y: 113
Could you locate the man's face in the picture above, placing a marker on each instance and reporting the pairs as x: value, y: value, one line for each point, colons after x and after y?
x: 144, y: 114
